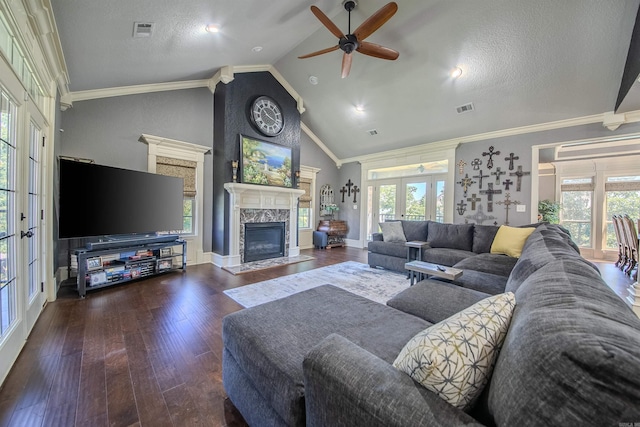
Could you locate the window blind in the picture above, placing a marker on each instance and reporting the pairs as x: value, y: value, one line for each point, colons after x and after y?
x: 185, y: 169
x: 305, y: 199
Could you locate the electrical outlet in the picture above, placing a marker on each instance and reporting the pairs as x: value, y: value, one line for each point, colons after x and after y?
x: 521, y: 208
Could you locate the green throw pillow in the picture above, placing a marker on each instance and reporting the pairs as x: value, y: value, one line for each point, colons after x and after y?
x: 454, y: 358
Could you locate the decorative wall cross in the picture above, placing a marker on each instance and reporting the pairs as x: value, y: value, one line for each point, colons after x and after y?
x: 466, y: 183
x: 497, y: 173
x: 480, y: 177
x: 473, y: 199
x: 490, y: 192
x: 355, y: 191
x: 507, y: 183
x: 507, y: 203
x: 462, y: 207
x: 476, y: 164
x: 511, y: 158
x: 490, y: 153
x: 461, y: 165
x: 480, y: 216
x: 519, y: 173
x: 343, y: 191
x: 349, y: 184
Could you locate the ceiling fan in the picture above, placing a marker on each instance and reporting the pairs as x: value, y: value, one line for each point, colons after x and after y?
x: 355, y: 41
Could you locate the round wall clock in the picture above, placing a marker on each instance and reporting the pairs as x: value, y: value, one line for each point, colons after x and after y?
x: 267, y: 116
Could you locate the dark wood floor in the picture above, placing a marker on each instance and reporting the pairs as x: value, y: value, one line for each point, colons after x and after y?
x: 147, y: 353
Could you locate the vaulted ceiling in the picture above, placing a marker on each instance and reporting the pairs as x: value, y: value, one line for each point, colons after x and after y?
x: 523, y: 62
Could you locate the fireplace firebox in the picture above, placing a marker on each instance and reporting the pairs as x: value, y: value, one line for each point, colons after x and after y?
x: 263, y: 240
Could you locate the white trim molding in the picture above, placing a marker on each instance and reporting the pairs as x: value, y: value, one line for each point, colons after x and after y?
x: 159, y: 146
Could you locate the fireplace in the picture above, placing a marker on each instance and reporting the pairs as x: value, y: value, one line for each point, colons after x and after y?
x: 263, y: 240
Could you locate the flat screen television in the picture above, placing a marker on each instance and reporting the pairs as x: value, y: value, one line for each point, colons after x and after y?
x: 98, y: 200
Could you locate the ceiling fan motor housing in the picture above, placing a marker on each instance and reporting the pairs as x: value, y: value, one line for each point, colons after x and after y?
x: 349, y: 43
x: 349, y: 5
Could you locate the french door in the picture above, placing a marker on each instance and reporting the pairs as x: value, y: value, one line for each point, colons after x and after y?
x: 412, y: 199
x: 22, y: 295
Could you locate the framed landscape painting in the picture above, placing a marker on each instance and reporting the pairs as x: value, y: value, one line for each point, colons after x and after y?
x: 265, y: 163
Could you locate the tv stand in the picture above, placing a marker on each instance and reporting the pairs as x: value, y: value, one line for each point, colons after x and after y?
x: 118, y: 261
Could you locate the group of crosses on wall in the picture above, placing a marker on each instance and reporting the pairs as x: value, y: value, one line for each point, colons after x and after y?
x: 348, y: 190
x: 489, y: 185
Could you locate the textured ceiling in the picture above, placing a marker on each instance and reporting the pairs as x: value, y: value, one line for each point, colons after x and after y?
x: 524, y: 62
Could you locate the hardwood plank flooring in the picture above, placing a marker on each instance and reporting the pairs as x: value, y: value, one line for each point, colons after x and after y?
x: 147, y: 353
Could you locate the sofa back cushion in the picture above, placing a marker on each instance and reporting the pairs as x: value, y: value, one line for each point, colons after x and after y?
x: 546, y: 244
x: 483, y: 236
x: 415, y: 230
x: 572, y: 353
x: 452, y: 236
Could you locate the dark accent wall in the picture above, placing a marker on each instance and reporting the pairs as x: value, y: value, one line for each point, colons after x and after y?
x: 231, y: 119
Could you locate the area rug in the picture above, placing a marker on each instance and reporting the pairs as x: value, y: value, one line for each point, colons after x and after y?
x: 266, y: 263
x: 372, y: 283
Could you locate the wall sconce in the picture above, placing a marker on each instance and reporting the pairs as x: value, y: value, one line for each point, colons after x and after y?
x: 297, y: 174
x: 234, y: 168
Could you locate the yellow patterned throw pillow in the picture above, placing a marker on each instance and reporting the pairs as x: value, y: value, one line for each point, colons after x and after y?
x: 454, y: 358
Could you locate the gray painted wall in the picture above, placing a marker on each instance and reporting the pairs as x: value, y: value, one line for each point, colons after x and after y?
x: 312, y: 155
x: 107, y: 131
x: 350, y: 171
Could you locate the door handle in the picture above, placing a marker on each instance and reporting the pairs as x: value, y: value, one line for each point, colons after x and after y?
x: 27, y: 234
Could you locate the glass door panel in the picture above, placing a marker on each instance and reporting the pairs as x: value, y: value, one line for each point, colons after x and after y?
x: 415, y: 201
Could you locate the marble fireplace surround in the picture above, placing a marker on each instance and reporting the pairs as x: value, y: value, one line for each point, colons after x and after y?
x: 260, y: 203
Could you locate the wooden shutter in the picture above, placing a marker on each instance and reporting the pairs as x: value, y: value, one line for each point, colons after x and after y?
x: 185, y: 169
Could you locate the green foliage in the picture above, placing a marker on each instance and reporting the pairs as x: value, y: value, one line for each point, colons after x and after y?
x: 549, y: 210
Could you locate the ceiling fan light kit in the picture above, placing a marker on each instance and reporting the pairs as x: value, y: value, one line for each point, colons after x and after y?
x: 351, y: 42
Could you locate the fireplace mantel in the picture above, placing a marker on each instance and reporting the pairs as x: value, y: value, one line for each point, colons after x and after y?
x: 251, y: 196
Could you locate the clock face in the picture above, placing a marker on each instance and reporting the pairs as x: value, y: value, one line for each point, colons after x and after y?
x: 267, y: 116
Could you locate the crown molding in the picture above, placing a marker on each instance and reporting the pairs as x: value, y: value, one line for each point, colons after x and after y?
x: 135, y: 90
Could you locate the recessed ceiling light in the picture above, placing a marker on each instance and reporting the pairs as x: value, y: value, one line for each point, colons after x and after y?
x: 313, y: 80
x: 256, y: 49
x: 211, y: 28
x: 456, y: 72
x: 359, y: 108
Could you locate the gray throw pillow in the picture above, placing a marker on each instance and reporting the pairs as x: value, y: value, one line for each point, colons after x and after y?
x: 392, y: 231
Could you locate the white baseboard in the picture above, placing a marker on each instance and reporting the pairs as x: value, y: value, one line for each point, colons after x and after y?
x: 225, y: 260
x: 352, y: 243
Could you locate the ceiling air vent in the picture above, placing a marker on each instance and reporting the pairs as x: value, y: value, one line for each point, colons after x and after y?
x: 465, y: 108
x: 143, y: 29
x: 372, y: 132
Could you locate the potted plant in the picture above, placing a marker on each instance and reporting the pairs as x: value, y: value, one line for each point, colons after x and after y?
x: 549, y: 210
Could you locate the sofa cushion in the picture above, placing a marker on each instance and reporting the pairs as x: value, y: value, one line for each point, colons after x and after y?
x: 510, y: 240
x: 444, y: 256
x: 489, y: 263
x: 387, y: 248
x: 454, y: 357
x: 415, y: 230
x: 572, y: 354
x: 546, y: 244
x: 452, y: 236
x: 483, y: 237
x: 392, y: 231
x: 269, y: 341
x: 488, y: 283
x: 434, y: 300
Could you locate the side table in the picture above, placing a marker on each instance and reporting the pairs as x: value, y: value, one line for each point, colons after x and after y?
x: 414, y: 250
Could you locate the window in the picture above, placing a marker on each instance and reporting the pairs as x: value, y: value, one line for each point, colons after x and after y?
x: 440, y: 201
x: 576, y: 212
x: 622, y: 197
x: 185, y: 169
x: 304, y: 203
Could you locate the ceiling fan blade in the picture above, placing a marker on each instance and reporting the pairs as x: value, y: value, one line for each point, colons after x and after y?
x: 375, y: 21
x: 346, y: 64
x: 327, y: 22
x: 320, y: 52
x: 377, y: 51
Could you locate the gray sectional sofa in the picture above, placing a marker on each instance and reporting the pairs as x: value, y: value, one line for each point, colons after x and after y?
x: 463, y: 246
x: 324, y: 357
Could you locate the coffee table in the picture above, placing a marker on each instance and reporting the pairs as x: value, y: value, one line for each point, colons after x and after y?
x: 420, y: 267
